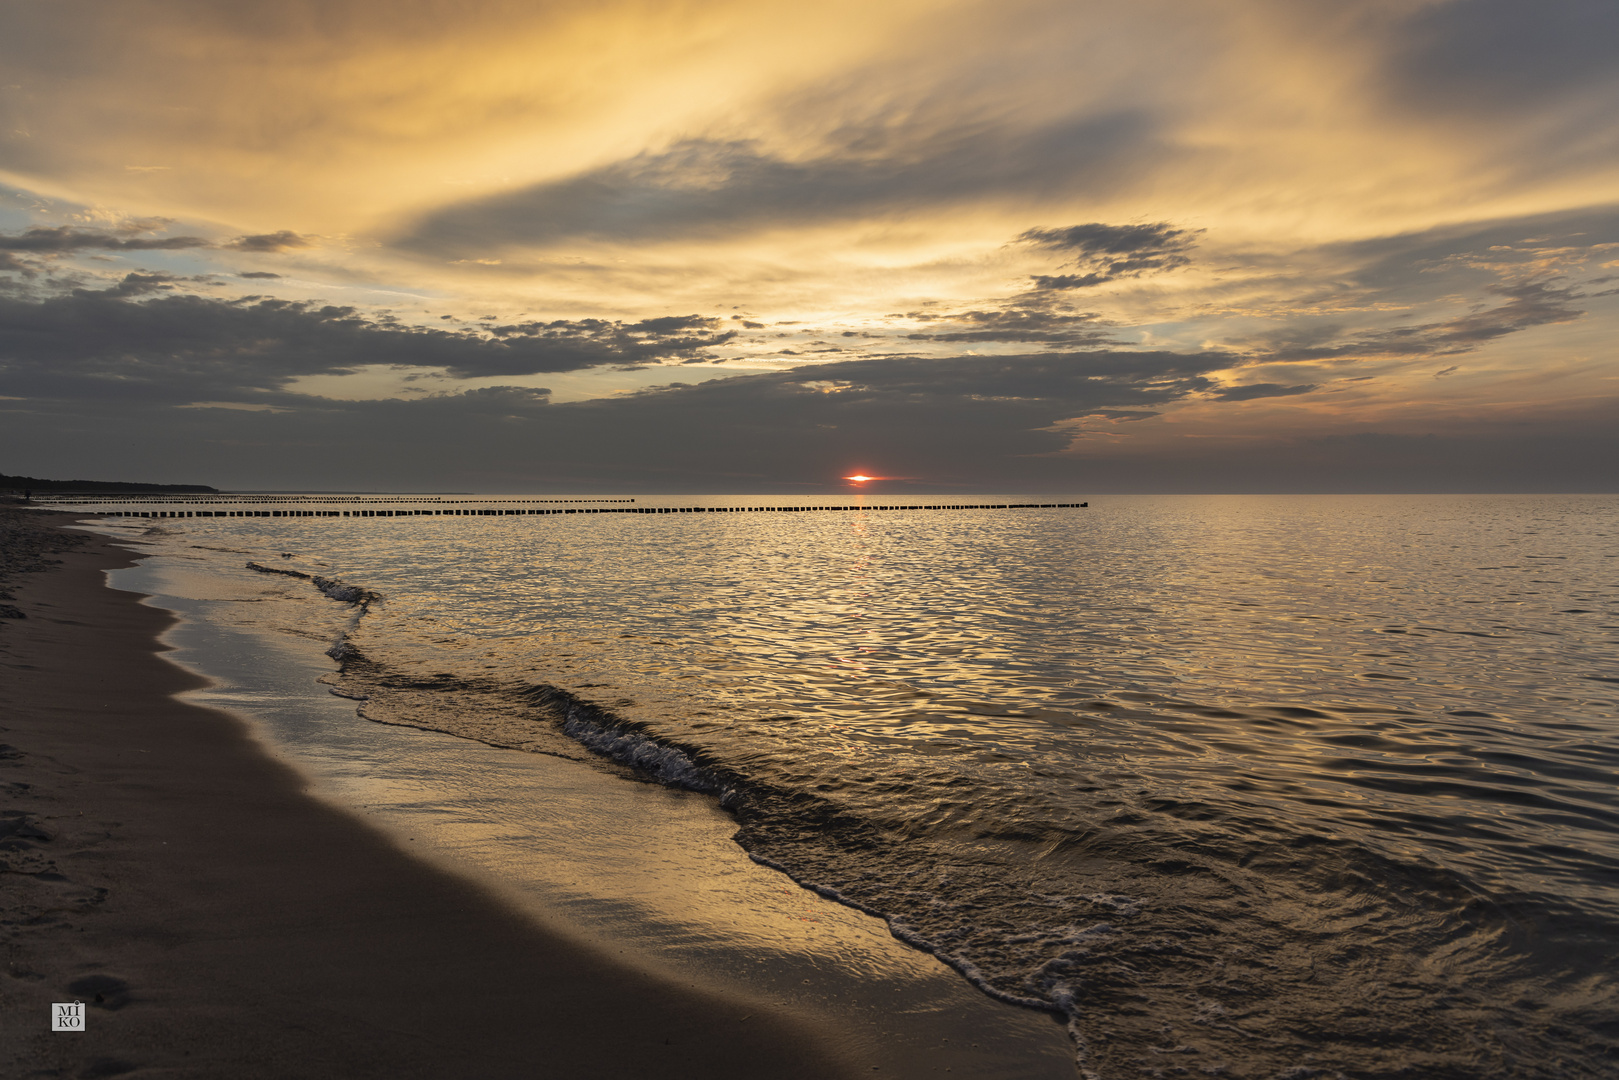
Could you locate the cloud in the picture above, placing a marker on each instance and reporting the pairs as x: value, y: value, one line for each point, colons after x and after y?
x: 1105, y: 253
x: 177, y: 347
x: 258, y: 274
x: 1099, y: 239
x: 1532, y: 85
x: 1529, y: 304
x: 1486, y: 56
x: 1017, y: 324
x: 1055, y: 383
x: 65, y: 239
x: 1432, y: 261
x: 284, y: 240
x: 664, y: 338
x: 1262, y: 390
x: 950, y: 419
x: 966, y: 425
x: 710, y: 187
x: 136, y: 284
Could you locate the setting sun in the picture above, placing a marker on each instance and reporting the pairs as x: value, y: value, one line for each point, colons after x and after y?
x: 859, y: 479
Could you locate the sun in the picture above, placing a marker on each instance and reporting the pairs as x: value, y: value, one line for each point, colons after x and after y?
x: 857, y: 478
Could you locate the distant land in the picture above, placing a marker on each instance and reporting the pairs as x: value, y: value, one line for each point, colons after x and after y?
x: 35, y: 484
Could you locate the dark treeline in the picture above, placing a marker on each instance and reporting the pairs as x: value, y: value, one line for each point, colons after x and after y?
x: 34, y: 483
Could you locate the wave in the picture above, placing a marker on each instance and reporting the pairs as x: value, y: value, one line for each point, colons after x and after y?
x: 362, y: 599
x: 336, y: 590
x: 613, y: 737
x: 1240, y: 944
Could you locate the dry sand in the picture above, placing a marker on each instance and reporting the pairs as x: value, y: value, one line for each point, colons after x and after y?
x: 219, y: 922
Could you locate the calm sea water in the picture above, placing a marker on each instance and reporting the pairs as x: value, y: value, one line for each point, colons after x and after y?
x: 1240, y: 785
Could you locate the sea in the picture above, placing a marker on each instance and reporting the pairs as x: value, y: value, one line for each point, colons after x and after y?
x: 1243, y: 786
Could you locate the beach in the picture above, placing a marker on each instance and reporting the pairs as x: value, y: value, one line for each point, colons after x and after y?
x: 218, y: 921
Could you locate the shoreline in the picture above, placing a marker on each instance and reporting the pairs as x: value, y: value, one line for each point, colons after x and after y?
x: 232, y: 924
x: 647, y: 873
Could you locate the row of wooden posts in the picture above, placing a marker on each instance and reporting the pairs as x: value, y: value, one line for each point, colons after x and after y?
x: 580, y: 510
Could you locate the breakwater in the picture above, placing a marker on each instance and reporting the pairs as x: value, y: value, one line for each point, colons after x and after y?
x: 548, y: 511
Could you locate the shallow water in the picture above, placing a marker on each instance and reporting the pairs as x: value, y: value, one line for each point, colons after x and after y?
x: 1237, y: 784
x: 645, y: 875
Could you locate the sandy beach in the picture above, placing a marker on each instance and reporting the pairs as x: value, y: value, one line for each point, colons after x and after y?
x: 218, y: 921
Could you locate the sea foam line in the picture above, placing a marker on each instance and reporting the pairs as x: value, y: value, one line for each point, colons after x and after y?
x: 612, y: 737
x: 362, y: 599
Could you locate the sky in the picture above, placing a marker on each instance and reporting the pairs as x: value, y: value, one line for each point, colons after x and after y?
x: 702, y: 246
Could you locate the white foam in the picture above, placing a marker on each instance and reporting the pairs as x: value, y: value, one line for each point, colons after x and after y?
x: 664, y: 763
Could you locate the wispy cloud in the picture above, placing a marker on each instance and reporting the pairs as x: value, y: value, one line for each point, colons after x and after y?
x: 65, y: 239
x: 700, y: 187
x: 1528, y: 305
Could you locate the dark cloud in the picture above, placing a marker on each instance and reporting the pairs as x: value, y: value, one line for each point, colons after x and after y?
x: 258, y: 274
x: 1096, y: 238
x: 1409, y: 265
x: 1491, y: 55
x: 705, y: 186
x: 1527, y: 272
x: 180, y: 347
x: 135, y: 284
x: 1536, y: 82
x: 1104, y: 253
x: 65, y: 239
x: 284, y: 240
x: 1529, y: 304
x: 1262, y: 390
x: 1020, y: 324
x: 953, y: 419
x: 1072, y: 281
x: 673, y: 324
x: 972, y: 424
x: 664, y: 338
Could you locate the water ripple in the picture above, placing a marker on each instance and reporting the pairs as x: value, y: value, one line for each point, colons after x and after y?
x: 1293, y: 783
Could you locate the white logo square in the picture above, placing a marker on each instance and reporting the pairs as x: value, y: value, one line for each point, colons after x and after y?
x: 67, y: 1016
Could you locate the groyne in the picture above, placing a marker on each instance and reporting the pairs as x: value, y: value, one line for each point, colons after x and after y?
x: 545, y: 511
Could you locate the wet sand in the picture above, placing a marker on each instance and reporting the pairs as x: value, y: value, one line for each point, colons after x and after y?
x: 156, y: 863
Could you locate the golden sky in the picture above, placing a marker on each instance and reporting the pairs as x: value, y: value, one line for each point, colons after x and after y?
x: 1378, y: 223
